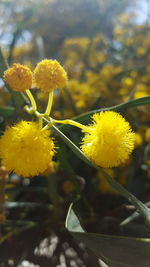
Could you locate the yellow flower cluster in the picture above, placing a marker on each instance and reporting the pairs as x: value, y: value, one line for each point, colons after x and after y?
x: 109, y: 141
x: 26, y: 149
x: 87, y: 61
x: 48, y: 75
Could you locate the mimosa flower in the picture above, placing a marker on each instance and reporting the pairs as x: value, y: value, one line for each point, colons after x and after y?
x: 18, y: 77
x: 49, y: 74
x: 26, y: 149
x: 109, y: 141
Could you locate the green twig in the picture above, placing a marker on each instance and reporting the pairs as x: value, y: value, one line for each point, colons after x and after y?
x: 27, y: 225
x: 134, y: 216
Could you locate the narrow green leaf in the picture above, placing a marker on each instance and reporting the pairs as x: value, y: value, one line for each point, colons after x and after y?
x: 17, y: 227
x: 144, y: 211
x: 118, y: 251
x: 85, y: 117
x: 73, y: 147
x: 3, y: 64
x: 133, y: 216
x: 32, y: 205
x: 6, y: 111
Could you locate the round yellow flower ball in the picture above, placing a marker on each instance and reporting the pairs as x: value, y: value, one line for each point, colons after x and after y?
x: 109, y: 141
x: 18, y: 77
x: 49, y: 74
x: 26, y: 149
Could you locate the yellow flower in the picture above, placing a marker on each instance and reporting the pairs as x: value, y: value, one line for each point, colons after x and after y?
x: 26, y: 149
x: 138, y: 140
x: 133, y: 74
x: 127, y: 81
x: 140, y: 51
x: 139, y: 94
x: 124, y: 18
x: 147, y: 135
x: 109, y: 141
x: 18, y: 77
x: 49, y: 74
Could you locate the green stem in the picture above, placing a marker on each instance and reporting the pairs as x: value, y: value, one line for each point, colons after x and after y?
x: 32, y: 100
x: 49, y: 104
x: 53, y: 189
x: 143, y: 210
x: 133, y: 216
x: 40, y: 118
x: 27, y: 226
x: 71, y: 122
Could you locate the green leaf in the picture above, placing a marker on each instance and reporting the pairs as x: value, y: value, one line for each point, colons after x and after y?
x: 6, y: 111
x: 3, y: 64
x: 117, y: 251
x: 85, y: 117
x: 73, y: 147
x: 144, y: 211
x: 30, y: 205
x: 17, y: 227
x: 133, y: 216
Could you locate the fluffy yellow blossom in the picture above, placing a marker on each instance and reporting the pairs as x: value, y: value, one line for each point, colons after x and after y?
x: 124, y: 18
x: 26, y: 149
x: 79, y: 44
x: 118, y: 31
x: 109, y: 141
x: 127, y: 81
x: 133, y: 74
x: 139, y: 94
x: 21, y: 50
x: 49, y: 74
x: 141, y: 87
x: 138, y: 140
x: 18, y: 77
x: 140, y: 51
x: 147, y: 135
